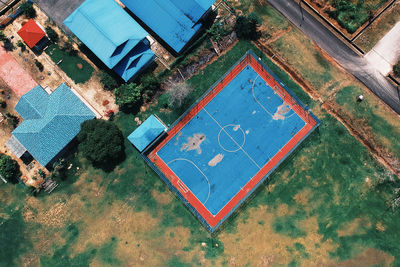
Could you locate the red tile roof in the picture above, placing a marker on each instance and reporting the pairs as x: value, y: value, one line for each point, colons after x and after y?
x: 31, y: 33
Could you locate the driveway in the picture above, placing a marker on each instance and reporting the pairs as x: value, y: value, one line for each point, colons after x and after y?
x: 59, y: 10
x: 358, y: 66
x: 386, y: 52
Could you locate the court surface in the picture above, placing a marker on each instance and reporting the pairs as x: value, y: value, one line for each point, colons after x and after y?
x: 230, y: 141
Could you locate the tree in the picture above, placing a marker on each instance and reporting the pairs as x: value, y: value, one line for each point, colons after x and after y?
x: 109, y: 83
x: 150, y: 84
x: 128, y: 97
x: 69, y: 48
x: 178, y: 92
x: 53, y: 36
x: 12, y: 120
x: 28, y: 10
x: 9, y: 168
x: 39, y: 65
x: 246, y: 28
x: 102, y: 143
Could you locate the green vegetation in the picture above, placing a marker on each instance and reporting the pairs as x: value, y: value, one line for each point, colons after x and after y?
x: 28, y: 10
x: 150, y: 84
x: 75, y: 67
x: 2, y: 36
x: 9, y: 168
x: 21, y: 45
x: 128, y: 97
x: 101, y: 142
x: 218, y: 31
x: 246, y: 27
x: 353, y: 14
x: 52, y: 34
x: 328, y: 202
x: 38, y: 65
x: 12, y: 120
x: 109, y: 83
x: 371, y: 36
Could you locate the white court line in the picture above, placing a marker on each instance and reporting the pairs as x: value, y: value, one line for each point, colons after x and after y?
x: 262, y: 106
x: 205, y: 176
x: 232, y: 139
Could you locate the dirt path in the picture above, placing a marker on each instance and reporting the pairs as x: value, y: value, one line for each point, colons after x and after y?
x: 386, y: 52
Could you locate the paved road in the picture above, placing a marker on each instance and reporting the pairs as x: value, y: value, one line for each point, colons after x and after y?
x: 353, y: 63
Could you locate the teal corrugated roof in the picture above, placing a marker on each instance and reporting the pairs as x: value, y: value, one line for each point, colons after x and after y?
x: 146, y: 133
x: 45, y: 136
x: 106, y: 29
x: 32, y: 105
x: 137, y: 59
x: 174, y: 21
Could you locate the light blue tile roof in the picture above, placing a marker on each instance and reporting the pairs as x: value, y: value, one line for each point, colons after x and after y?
x: 106, y: 29
x: 174, y: 21
x: 44, y: 134
x: 129, y: 67
x: 146, y: 133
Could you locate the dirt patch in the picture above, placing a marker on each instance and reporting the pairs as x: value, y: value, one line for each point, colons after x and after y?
x: 370, y: 257
x: 262, y: 244
x: 163, y: 198
x: 194, y: 143
x: 356, y: 227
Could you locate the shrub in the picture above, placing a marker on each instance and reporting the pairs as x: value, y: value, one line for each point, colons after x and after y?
x: 39, y: 65
x: 28, y: 10
x: 128, y: 97
x: 12, y: 120
x: 3, y: 103
x: 101, y: 142
x: 218, y: 31
x: 21, y: 45
x: 396, y: 69
x: 9, y: 168
x: 53, y: 36
x: 246, y: 28
x: 109, y: 83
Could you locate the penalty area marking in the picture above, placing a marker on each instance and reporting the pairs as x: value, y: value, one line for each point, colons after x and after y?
x: 205, y: 176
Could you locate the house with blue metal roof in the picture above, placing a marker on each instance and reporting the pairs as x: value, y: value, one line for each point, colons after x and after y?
x: 50, y: 123
x: 112, y: 35
x: 146, y: 133
x: 176, y: 22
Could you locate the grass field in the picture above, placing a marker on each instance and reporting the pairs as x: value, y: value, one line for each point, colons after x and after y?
x: 70, y: 64
x: 326, y: 205
x: 310, y: 212
x: 371, y: 36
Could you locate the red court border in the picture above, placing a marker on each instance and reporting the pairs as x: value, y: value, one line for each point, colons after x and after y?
x: 212, y: 220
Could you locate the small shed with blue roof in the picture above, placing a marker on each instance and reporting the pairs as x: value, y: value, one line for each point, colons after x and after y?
x: 113, y: 36
x: 176, y: 22
x: 149, y: 131
x: 51, y: 122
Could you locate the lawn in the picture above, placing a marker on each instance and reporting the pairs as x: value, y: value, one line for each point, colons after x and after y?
x: 371, y: 36
x: 327, y: 204
x: 74, y: 66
